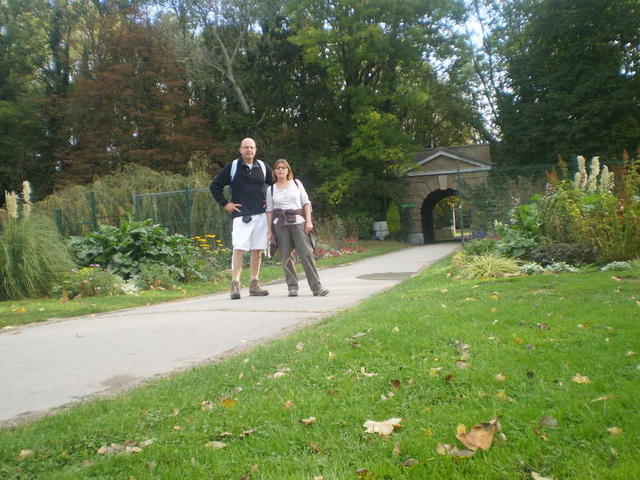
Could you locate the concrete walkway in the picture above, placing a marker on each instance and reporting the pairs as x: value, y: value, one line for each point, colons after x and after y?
x: 53, y: 365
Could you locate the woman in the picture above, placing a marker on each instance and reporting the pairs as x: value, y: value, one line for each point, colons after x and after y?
x: 289, y: 220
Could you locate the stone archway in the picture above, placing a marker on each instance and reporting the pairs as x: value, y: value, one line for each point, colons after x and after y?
x: 426, y: 211
x: 439, y: 173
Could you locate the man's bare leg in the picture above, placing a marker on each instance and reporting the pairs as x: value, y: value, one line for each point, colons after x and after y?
x: 236, y: 270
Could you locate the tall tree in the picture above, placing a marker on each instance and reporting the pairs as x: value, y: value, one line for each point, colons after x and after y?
x: 132, y: 107
x: 574, y: 79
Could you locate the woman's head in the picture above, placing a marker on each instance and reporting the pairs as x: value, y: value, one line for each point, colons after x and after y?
x: 282, y: 164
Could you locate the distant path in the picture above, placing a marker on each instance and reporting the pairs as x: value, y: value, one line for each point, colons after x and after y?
x: 55, y: 364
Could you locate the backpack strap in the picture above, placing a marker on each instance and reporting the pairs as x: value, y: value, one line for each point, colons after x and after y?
x: 234, y: 169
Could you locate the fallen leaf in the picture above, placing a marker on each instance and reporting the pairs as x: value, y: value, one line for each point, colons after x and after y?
x: 462, y: 364
x: 178, y: 428
x: 384, y: 397
x: 288, y: 404
x: 500, y: 377
x: 537, y: 476
x: 410, y: 462
x: 364, y: 372
x: 617, y: 279
x: 175, y: 412
x: 584, y: 325
x: 308, y: 421
x: 501, y: 395
x: 207, y: 406
x: 518, y: 341
x: 246, y: 433
x: 434, y: 371
x: 469, y: 299
x: 548, y: 421
x: 315, y: 447
x: 240, y: 376
x: 300, y: 347
x: 452, y: 450
x: 382, y: 428
x: 577, y: 378
x: 216, y: 445
x: 614, y: 430
x: 493, y: 297
x: 395, y: 330
x: 228, y: 402
x: 331, y: 356
x: 543, y: 326
x: 225, y: 434
x: 480, y: 436
x: 26, y: 453
x: 396, y: 449
x: 604, y: 397
x: 395, y: 384
x: 630, y: 353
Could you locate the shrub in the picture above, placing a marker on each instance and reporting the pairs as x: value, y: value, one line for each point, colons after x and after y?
x: 125, y: 249
x: 480, y: 246
x: 486, y: 266
x: 590, y: 211
x: 560, y: 267
x: 531, y: 268
x: 573, y: 254
x: 522, y: 233
x: 33, y: 256
x: 155, y: 276
x: 393, y: 220
x: 613, y: 266
x: 89, y: 282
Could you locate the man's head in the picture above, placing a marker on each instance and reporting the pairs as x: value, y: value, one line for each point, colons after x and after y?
x: 248, y: 150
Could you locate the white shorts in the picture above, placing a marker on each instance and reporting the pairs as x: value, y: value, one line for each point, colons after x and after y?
x: 252, y: 235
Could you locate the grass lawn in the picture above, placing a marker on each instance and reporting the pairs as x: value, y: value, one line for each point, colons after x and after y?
x: 15, y: 313
x: 554, y: 356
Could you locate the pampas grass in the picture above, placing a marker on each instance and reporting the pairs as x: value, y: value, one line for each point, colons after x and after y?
x: 33, y: 257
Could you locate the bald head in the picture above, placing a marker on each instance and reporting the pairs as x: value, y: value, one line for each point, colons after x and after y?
x: 248, y: 150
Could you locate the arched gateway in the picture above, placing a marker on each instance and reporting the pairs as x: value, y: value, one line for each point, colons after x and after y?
x: 435, y: 177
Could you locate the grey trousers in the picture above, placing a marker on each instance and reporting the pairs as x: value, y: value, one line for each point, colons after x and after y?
x: 290, y: 237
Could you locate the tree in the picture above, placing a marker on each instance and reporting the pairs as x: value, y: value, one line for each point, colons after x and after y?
x: 574, y: 79
x: 132, y: 107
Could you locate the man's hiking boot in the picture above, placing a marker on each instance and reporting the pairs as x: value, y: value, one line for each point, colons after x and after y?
x: 235, y: 290
x: 323, y: 292
x: 293, y: 292
x: 256, y: 290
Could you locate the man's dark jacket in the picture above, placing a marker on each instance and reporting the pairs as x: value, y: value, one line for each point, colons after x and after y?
x: 247, y: 188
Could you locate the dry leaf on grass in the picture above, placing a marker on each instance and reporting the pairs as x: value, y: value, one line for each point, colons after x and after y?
x: 26, y: 453
x: 577, y: 378
x: 207, y: 406
x: 299, y: 346
x: 537, y: 476
x: 215, y: 445
x: 614, y: 430
x: 382, y: 428
x: 453, y: 451
x: 308, y: 421
x: 480, y: 436
x: 500, y: 377
x: 548, y: 421
x: 604, y: 397
x: 228, y: 402
x: 395, y: 384
x: 288, y: 404
x: 124, y: 448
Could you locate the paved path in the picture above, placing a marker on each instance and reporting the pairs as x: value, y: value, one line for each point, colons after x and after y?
x: 51, y: 365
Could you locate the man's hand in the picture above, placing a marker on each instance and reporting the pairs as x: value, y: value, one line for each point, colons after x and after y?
x: 232, y: 207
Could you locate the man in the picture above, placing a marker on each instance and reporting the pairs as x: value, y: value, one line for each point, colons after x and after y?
x: 246, y: 178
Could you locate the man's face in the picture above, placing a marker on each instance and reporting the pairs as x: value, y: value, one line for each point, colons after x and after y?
x: 248, y: 150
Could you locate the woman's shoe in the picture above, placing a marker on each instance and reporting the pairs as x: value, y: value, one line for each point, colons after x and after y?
x: 323, y: 292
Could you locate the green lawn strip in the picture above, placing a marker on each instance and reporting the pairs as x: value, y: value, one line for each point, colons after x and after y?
x: 15, y: 313
x: 538, y: 332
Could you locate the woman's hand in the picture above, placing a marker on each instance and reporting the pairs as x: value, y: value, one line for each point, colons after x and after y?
x: 308, y: 227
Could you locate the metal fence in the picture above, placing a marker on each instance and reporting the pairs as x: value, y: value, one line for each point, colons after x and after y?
x: 188, y: 212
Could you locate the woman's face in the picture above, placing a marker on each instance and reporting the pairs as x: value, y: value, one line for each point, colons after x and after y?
x: 281, y: 171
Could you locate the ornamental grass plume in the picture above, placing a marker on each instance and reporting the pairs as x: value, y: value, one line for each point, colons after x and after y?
x: 592, y: 183
x: 580, y: 179
x: 11, y: 202
x: 26, y: 198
